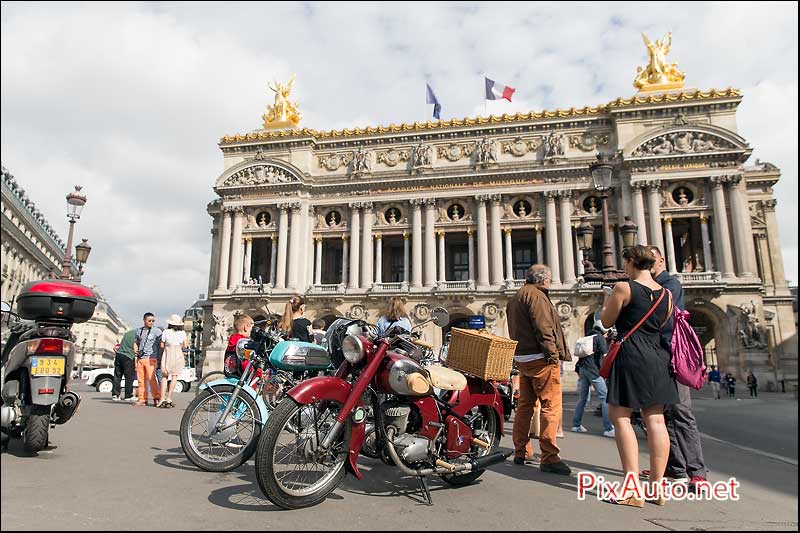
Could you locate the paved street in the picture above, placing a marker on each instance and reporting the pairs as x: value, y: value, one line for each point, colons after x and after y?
x: 115, y: 465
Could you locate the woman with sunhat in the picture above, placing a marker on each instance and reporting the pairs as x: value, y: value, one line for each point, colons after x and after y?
x: 173, y: 342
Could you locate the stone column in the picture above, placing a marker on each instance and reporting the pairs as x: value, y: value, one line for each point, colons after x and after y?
x: 283, y: 245
x: 721, y: 223
x: 654, y: 214
x: 311, y: 222
x: 225, y: 250
x: 775, y: 256
x: 367, y: 252
x: 295, y: 245
x: 509, y: 255
x: 568, y: 264
x: 235, y: 273
x: 416, y: 242
x: 430, y: 242
x: 539, y: 248
x: 670, y: 245
x: 496, y: 241
x: 273, y: 259
x: 442, y: 273
x: 638, y: 211
x: 378, y: 258
x: 708, y: 261
x: 345, y: 259
x: 406, y: 254
x: 612, y: 238
x: 552, y: 236
x: 483, y: 242
x: 248, y: 256
x: 579, y: 251
x: 742, y: 228
x: 470, y: 255
x: 318, y: 261
x: 355, y: 230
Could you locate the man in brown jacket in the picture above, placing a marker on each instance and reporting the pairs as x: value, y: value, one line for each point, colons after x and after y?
x: 533, y: 322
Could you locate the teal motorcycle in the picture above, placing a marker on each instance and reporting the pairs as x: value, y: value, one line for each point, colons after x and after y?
x: 220, y: 428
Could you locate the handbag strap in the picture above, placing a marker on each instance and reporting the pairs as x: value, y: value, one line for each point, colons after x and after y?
x: 650, y: 312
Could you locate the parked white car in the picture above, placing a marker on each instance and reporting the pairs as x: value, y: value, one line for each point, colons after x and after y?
x: 102, y: 379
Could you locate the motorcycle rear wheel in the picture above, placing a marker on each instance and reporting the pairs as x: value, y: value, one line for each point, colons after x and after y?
x: 200, y: 449
x: 292, y: 433
x: 35, y: 435
x: 487, y: 424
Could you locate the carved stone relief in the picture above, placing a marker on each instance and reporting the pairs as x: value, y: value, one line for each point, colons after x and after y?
x: 422, y: 157
x: 258, y: 174
x: 520, y: 147
x: 588, y: 142
x: 683, y: 142
x: 392, y: 157
x: 554, y: 146
x: 454, y: 152
x: 334, y: 161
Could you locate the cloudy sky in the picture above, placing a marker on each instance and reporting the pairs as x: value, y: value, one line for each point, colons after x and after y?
x: 130, y: 99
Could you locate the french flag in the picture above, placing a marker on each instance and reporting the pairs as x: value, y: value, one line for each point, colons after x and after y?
x: 495, y: 91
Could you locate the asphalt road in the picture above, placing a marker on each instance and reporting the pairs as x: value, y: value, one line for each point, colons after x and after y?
x: 119, y: 467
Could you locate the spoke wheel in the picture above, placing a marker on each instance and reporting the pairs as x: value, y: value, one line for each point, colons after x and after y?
x: 291, y: 470
x: 485, y: 426
x: 220, y: 451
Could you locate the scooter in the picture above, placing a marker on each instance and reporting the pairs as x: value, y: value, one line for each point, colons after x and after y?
x: 314, y: 437
x: 38, y: 357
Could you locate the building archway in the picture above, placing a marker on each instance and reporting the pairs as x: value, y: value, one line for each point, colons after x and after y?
x: 708, y: 322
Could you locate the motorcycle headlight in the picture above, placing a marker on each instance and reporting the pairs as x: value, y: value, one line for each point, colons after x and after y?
x: 353, y: 349
x: 241, y: 347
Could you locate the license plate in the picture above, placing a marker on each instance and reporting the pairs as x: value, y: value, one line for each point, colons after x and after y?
x: 47, y: 366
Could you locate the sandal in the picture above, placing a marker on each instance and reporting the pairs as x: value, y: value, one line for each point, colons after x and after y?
x: 161, y: 404
x: 630, y: 501
x: 168, y: 404
x: 139, y: 404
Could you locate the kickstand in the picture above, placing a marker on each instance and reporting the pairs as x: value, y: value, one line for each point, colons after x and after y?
x: 424, y: 490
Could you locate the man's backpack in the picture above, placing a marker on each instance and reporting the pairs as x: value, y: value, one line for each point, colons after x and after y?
x: 688, y: 358
x: 584, y: 347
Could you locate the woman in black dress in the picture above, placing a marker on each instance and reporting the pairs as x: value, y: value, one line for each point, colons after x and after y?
x: 640, y: 376
x: 293, y: 323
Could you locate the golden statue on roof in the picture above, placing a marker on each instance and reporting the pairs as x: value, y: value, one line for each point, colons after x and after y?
x: 659, y: 74
x: 282, y: 113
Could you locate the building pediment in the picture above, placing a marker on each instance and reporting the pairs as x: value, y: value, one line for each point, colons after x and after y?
x: 259, y: 173
x: 684, y: 140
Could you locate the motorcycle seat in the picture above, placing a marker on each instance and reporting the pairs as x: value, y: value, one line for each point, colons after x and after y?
x: 445, y: 378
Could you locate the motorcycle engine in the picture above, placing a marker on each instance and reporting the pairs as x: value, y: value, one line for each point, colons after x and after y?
x: 410, y: 448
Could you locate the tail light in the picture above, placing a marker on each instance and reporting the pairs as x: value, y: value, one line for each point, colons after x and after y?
x: 49, y: 347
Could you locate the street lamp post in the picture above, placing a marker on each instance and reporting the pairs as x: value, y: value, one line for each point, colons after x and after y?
x: 602, y: 171
x: 82, y: 255
x: 75, y: 203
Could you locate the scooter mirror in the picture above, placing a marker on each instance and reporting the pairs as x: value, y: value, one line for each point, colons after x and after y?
x: 440, y: 316
x: 5, y: 307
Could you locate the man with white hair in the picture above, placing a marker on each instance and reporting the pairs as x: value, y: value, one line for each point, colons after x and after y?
x: 534, y: 323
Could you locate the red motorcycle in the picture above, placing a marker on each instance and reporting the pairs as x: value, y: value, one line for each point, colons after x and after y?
x: 314, y: 437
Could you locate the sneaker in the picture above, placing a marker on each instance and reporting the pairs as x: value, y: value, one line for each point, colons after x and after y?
x: 579, y: 429
x: 115, y: 398
x: 132, y: 399
x: 526, y: 459
x: 610, y: 433
x: 693, y: 483
x: 556, y: 468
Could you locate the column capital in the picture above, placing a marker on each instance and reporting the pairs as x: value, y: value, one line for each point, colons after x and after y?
x: 367, y: 206
x: 769, y: 205
x: 637, y: 186
x: 507, y: 230
x: 355, y: 205
x: 668, y: 220
x: 430, y: 203
x: 564, y: 194
x: 537, y: 228
x: 318, y: 238
x: 274, y: 238
x: 703, y: 219
x: 653, y: 184
x: 551, y: 195
x: 248, y: 238
x: 440, y: 233
x: 469, y: 231
x: 345, y: 237
x: 717, y: 181
x: 733, y: 180
x: 377, y: 236
x: 229, y: 210
x: 483, y: 197
x: 294, y: 206
x: 417, y: 202
x: 405, y: 235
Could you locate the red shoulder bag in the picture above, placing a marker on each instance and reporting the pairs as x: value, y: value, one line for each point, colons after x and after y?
x: 613, y: 349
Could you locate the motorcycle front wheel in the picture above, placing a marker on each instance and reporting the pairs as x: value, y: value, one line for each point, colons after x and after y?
x: 226, y: 450
x: 290, y: 469
x: 37, y: 426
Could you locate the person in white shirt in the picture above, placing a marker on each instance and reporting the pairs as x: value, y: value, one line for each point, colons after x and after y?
x: 173, y: 342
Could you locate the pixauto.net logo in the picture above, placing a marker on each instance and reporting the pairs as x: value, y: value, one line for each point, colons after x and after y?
x: 647, y: 490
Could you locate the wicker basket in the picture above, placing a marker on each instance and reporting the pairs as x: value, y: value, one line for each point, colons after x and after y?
x: 481, y: 354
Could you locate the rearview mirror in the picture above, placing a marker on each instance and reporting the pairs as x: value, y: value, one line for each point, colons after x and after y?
x: 5, y: 307
x: 440, y: 317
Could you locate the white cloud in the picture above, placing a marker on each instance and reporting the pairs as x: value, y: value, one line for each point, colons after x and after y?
x: 130, y: 99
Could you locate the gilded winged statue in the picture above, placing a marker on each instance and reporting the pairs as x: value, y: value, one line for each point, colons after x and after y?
x: 282, y: 112
x: 658, y: 70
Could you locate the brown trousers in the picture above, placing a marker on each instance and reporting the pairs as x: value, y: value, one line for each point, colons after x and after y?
x: 542, y: 381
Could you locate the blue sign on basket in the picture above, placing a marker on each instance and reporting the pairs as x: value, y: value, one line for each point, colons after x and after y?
x: 477, y: 322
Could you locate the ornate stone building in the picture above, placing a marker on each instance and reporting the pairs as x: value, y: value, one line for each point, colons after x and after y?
x: 452, y: 213
x: 31, y: 249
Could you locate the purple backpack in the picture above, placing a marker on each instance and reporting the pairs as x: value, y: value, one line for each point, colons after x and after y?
x: 688, y: 359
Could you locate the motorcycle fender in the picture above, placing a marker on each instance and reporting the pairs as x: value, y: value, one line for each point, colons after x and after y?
x: 45, y: 382
x: 336, y: 389
x: 262, y: 407
x: 479, y: 392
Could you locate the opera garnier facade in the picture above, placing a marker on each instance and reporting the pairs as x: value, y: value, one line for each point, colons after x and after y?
x: 452, y: 213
